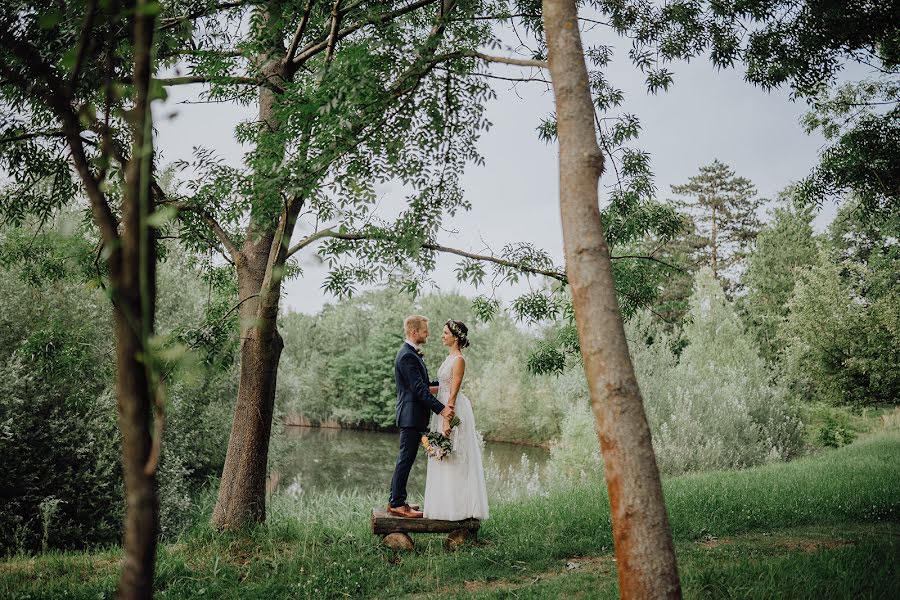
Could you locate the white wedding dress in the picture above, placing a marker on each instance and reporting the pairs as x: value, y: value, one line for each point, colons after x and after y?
x: 454, y: 486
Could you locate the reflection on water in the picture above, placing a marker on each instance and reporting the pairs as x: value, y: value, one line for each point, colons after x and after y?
x: 343, y: 460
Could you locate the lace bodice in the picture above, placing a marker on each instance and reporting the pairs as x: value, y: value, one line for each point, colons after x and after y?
x: 445, y: 374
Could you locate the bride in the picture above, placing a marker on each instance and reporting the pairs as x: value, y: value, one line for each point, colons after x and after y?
x: 454, y: 486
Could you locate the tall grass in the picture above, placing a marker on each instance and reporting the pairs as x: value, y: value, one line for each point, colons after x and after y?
x: 323, y: 548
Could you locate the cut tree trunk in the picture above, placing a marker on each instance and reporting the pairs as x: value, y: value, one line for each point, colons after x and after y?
x: 384, y: 522
x: 641, y: 532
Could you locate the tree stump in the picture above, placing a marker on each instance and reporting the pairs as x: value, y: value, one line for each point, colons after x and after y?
x: 458, y: 537
x: 398, y: 541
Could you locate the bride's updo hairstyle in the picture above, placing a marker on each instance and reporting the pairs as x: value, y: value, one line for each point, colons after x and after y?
x: 460, y: 332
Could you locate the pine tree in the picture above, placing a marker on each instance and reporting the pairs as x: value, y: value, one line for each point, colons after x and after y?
x: 723, y: 208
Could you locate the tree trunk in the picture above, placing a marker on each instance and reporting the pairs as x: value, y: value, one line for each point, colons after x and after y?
x: 134, y: 298
x: 715, y: 244
x: 134, y: 405
x: 643, y: 539
x: 242, y: 491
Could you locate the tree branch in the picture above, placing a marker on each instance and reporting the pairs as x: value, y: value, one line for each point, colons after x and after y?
x: 175, y: 21
x: 298, y: 34
x: 358, y: 237
x: 518, y: 62
x: 191, y: 79
x: 201, y: 52
x: 330, y: 233
x: 220, y: 233
x: 650, y: 258
x: 32, y: 135
x: 333, y: 30
x: 207, y: 217
x: 317, y: 46
x: 513, y: 79
x: 91, y: 11
x: 50, y: 88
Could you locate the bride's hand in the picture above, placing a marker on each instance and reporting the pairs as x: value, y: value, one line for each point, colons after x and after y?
x: 433, y: 389
x: 447, y: 428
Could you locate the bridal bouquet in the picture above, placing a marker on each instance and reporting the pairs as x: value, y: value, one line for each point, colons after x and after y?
x: 436, y: 444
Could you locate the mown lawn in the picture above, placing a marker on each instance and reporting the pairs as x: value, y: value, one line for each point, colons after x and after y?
x: 825, y: 526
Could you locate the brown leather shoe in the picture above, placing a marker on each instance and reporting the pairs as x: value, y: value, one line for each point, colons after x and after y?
x: 405, y: 511
x: 413, y: 506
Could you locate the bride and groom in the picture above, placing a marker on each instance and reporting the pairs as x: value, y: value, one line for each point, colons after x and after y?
x: 454, y: 485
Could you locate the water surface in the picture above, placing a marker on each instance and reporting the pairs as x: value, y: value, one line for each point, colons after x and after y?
x: 329, y: 460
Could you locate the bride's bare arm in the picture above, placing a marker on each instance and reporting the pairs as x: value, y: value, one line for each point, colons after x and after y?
x: 456, y: 377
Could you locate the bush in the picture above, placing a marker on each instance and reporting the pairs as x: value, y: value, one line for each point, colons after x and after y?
x: 714, y: 407
x: 838, y: 347
x: 717, y: 407
x: 59, y: 439
x: 575, y: 455
x: 58, y: 434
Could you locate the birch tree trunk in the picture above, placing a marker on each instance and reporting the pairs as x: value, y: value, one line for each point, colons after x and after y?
x: 643, y: 539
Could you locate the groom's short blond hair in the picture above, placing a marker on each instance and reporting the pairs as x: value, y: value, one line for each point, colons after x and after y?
x: 413, y: 323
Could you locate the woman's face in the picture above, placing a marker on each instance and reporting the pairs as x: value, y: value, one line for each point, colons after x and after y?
x: 447, y: 338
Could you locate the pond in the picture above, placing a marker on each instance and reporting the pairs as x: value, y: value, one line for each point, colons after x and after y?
x: 344, y: 460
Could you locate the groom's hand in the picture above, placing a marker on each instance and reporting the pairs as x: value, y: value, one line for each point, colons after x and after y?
x: 448, y: 412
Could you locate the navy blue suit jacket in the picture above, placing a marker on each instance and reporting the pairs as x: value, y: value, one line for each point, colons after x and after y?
x: 414, y: 400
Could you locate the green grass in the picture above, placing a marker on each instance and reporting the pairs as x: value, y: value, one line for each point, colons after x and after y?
x: 824, y: 526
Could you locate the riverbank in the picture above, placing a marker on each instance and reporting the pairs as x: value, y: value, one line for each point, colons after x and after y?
x: 822, y: 526
x: 303, y: 421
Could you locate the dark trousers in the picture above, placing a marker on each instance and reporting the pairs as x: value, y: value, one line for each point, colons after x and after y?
x: 409, y: 447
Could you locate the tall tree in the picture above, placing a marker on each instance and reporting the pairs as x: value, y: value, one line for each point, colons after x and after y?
x: 349, y: 95
x: 643, y: 538
x: 723, y: 207
x: 785, y: 247
x: 55, y: 94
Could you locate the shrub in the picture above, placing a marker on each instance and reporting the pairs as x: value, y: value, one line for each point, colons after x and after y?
x: 714, y: 407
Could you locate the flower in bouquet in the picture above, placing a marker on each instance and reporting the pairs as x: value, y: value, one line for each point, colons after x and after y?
x: 436, y: 444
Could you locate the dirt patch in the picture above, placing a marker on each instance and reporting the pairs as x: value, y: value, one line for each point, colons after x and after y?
x: 791, y: 544
x: 597, y: 564
x: 811, y: 544
x: 18, y: 566
x: 714, y: 542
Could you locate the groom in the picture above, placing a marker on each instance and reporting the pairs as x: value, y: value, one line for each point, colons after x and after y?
x: 414, y: 400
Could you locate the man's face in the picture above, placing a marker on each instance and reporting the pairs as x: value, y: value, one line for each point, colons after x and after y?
x: 421, y: 334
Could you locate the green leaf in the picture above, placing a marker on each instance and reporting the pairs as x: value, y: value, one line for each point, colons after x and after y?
x: 151, y: 9
x: 157, y: 91
x: 49, y: 20
x: 161, y: 216
x: 68, y: 59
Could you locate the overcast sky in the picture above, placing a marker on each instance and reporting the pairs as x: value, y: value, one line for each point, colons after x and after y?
x: 708, y: 114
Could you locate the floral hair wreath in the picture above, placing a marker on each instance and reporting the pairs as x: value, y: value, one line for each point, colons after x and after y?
x: 456, y: 331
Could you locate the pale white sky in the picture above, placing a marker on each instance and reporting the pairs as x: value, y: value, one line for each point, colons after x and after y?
x: 708, y: 114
